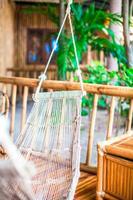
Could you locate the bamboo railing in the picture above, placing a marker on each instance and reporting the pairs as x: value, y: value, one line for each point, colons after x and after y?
x: 97, y: 90
x: 35, y: 71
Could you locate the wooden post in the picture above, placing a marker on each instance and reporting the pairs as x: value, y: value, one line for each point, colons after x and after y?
x: 62, y: 11
x: 130, y: 116
x: 13, y: 111
x: 111, y: 118
x: 24, y: 106
x: 100, y: 174
x: 91, y: 130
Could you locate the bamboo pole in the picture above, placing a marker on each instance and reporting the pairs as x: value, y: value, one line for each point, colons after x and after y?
x: 99, y: 191
x: 13, y: 111
x: 91, y: 131
x: 111, y: 118
x: 110, y: 90
x: 24, y: 106
x: 130, y: 116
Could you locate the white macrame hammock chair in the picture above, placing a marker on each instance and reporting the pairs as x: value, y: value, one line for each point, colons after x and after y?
x: 51, y: 138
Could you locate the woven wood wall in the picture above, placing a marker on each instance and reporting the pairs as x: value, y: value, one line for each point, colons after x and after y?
x: 7, y: 35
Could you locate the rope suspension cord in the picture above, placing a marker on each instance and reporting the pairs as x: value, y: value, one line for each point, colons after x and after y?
x: 76, y: 56
x: 42, y: 77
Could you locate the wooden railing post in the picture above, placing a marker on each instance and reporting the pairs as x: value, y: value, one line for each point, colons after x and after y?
x: 13, y: 109
x: 24, y: 106
x: 111, y: 118
x: 91, y: 131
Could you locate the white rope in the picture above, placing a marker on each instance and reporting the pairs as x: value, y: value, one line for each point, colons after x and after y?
x: 76, y: 56
x: 42, y: 77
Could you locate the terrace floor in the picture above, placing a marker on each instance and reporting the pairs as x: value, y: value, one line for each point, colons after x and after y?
x: 86, y: 189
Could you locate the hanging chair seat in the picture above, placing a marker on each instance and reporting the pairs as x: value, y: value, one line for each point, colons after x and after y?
x: 51, y: 140
x: 53, y: 176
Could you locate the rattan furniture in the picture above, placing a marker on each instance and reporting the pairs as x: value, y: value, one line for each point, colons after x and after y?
x: 115, y: 168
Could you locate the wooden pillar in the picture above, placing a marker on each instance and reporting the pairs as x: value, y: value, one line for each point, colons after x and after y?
x: 62, y: 11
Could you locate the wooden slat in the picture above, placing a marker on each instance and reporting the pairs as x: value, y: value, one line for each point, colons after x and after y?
x: 130, y: 116
x: 66, y: 85
x: 13, y: 110
x: 111, y: 118
x: 24, y: 106
x: 91, y: 131
x: 86, y: 188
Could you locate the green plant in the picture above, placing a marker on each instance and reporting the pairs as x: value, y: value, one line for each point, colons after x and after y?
x: 98, y: 74
x: 88, y: 23
x: 125, y: 76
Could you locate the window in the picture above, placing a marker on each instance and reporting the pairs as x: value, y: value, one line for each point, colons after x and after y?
x: 39, y: 46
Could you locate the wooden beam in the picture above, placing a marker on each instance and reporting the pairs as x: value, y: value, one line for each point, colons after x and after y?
x: 39, y: 68
x: 109, y: 90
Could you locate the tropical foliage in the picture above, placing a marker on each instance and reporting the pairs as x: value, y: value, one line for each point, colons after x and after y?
x: 91, y: 28
x: 98, y: 74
